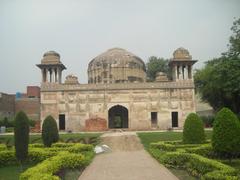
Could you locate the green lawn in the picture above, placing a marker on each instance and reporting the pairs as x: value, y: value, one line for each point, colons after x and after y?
x: 37, y: 138
x: 12, y: 172
x: 149, y: 137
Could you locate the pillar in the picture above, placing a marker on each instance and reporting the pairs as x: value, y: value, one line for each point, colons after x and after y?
x: 189, y: 72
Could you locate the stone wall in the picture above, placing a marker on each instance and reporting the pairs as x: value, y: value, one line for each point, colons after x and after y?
x: 82, y: 102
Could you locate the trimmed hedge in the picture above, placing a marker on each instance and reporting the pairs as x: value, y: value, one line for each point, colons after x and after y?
x: 205, y: 150
x: 193, y: 130
x: 49, y: 167
x: 7, y: 158
x: 36, y: 155
x: 195, y: 164
x: 3, y: 147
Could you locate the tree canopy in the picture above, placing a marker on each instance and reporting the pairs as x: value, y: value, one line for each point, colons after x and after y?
x: 156, y: 64
x: 219, y: 81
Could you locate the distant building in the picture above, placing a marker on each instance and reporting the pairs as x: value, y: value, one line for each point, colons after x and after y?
x: 7, y: 105
x: 28, y: 102
x: 117, y: 94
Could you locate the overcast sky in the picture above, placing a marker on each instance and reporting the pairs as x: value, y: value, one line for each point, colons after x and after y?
x: 80, y: 30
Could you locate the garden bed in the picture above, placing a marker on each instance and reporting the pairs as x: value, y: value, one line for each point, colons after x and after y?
x: 64, y: 159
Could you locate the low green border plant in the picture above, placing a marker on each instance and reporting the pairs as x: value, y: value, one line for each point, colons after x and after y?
x: 49, y: 167
x: 195, y: 164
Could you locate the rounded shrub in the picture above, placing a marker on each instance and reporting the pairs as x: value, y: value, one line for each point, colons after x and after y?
x: 49, y: 131
x: 193, y: 130
x: 226, y: 133
x: 21, y: 136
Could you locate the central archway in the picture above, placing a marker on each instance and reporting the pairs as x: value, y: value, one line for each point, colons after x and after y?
x: 118, y: 117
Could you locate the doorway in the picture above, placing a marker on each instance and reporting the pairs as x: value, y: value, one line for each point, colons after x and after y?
x: 154, y: 119
x: 61, y: 121
x: 174, y: 119
x: 118, y: 117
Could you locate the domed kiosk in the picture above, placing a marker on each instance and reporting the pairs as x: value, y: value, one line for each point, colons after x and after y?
x: 116, y: 65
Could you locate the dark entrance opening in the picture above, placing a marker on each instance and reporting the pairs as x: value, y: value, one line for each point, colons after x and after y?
x: 118, y: 117
x: 61, y: 121
x: 154, y: 119
x: 174, y: 119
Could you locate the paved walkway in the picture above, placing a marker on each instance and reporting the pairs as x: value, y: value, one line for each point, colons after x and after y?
x: 127, y: 161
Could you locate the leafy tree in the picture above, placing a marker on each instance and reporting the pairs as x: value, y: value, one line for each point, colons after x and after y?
x: 155, y: 65
x: 193, y: 130
x: 234, y: 46
x: 21, y: 136
x: 226, y: 133
x: 218, y: 81
x: 49, y: 131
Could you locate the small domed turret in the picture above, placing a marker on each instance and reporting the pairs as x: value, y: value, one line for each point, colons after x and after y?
x: 181, y: 54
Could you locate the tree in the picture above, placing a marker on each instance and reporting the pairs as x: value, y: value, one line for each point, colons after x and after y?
x: 226, y: 133
x: 193, y: 130
x: 218, y: 81
x: 21, y: 136
x: 49, y: 131
x: 155, y: 65
x: 234, y: 46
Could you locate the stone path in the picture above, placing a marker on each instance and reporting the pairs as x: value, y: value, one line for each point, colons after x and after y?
x: 127, y: 161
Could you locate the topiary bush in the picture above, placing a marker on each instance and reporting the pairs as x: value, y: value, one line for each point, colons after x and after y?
x: 21, y: 136
x: 49, y: 131
x: 226, y: 134
x: 193, y: 130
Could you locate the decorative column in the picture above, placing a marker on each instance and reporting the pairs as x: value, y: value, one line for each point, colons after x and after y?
x: 189, y: 72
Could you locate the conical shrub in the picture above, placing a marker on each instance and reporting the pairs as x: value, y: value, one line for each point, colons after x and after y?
x: 49, y: 131
x: 21, y: 136
x: 226, y: 133
x: 193, y: 130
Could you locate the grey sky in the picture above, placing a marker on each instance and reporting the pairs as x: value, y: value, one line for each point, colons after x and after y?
x: 80, y: 30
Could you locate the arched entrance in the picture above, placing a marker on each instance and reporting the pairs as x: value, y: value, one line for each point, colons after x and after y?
x: 118, y: 117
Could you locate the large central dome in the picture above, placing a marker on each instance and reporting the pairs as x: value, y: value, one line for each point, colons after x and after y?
x: 116, y: 65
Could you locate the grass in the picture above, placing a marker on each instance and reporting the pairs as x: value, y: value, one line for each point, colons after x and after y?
x: 37, y: 138
x: 149, y: 137
x: 72, y: 174
x: 12, y: 172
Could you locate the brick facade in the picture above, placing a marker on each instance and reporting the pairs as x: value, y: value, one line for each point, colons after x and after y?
x: 7, y: 105
x: 96, y: 124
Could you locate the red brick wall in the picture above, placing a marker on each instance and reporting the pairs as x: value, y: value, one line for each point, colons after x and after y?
x: 96, y: 124
x: 31, y: 106
x: 33, y: 91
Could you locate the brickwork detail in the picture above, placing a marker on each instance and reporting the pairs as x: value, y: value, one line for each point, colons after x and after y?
x: 96, y: 124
